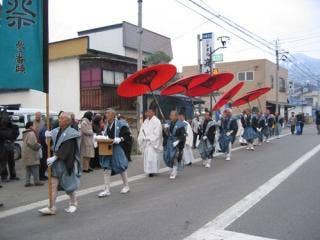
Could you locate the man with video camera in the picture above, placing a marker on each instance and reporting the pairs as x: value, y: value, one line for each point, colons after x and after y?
x: 8, y: 135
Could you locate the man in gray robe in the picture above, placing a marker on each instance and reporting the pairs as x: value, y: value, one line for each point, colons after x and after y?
x: 65, y: 163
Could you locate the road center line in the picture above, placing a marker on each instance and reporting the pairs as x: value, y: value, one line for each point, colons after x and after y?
x: 83, y: 192
x: 226, y: 218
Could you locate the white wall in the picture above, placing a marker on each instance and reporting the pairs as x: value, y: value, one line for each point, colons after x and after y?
x: 299, y: 109
x: 110, y: 41
x: 27, y: 99
x: 64, y: 85
x: 64, y: 89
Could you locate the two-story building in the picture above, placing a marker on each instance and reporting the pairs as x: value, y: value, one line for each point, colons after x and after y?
x: 256, y: 74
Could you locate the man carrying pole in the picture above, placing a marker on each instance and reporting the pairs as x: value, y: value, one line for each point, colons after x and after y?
x: 65, y: 164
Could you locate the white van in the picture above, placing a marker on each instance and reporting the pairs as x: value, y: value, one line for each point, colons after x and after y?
x: 21, y: 117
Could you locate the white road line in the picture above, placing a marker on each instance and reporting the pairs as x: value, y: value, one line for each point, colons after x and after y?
x: 227, y: 235
x: 42, y: 203
x: 237, y: 210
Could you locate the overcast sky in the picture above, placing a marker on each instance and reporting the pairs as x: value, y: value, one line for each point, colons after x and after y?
x: 295, y: 22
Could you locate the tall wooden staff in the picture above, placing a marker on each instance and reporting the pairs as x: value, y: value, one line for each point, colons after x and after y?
x: 46, y: 88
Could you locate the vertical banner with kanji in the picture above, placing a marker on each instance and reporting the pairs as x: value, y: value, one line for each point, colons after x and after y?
x: 23, y: 31
x: 207, y: 48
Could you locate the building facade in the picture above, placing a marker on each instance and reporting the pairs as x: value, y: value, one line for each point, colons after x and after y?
x: 256, y: 74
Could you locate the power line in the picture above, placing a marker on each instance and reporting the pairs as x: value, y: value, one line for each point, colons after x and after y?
x: 244, y: 31
x: 224, y: 28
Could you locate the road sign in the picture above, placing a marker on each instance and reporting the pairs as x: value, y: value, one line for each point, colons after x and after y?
x: 217, y: 57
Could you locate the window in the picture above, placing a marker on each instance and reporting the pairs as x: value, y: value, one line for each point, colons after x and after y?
x: 271, y: 81
x: 108, y: 77
x: 241, y: 76
x: 282, y: 85
x: 112, y: 78
x: 118, y: 77
x: 249, y: 76
x: 245, y: 76
x: 90, y: 77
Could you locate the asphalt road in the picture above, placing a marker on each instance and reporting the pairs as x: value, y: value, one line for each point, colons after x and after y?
x: 158, y: 208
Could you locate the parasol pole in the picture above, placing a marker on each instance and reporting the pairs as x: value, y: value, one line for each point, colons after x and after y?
x: 156, y: 100
x: 260, y: 106
x: 249, y: 105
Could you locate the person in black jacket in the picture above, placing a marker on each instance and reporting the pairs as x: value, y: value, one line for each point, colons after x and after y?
x: 318, y: 120
x: 9, y: 134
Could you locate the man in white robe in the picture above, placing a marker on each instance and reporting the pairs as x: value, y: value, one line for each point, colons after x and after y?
x: 150, y: 143
x: 187, y: 151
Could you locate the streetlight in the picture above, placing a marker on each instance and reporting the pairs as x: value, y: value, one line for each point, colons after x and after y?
x: 223, y: 40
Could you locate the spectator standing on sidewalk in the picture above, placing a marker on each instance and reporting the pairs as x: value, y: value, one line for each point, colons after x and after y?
x: 31, y: 155
x: 318, y: 120
x: 86, y: 146
x: 292, y: 122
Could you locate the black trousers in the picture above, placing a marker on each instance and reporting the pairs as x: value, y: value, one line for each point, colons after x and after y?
x: 195, y: 136
x: 9, y: 155
x: 43, y: 163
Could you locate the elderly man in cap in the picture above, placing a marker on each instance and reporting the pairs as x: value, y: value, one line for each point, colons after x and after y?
x: 65, y: 163
x: 228, y: 132
x: 118, y: 131
x: 150, y: 142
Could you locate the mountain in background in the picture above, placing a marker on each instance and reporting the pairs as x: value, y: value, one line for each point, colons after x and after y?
x: 304, y: 61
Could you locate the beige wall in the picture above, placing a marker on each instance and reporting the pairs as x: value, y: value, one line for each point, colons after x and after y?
x: 262, y: 70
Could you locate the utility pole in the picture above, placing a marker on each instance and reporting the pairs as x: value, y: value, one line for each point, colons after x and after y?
x: 277, y: 76
x: 139, y: 63
x: 199, y: 53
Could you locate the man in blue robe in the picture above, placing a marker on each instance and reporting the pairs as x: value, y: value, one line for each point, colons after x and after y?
x: 228, y: 132
x: 206, y: 146
x: 174, y: 138
x: 117, y: 163
x: 65, y: 163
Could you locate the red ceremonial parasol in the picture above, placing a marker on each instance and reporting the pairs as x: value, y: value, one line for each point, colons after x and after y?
x: 250, y: 96
x: 146, y: 80
x: 227, y: 96
x: 215, y: 82
x: 182, y: 85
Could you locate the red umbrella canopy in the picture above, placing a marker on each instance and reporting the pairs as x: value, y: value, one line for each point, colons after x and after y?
x: 146, y: 80
x: 182, y: 85
x: 250, y: 96
x: 215, y: 82
x: 227, y: 96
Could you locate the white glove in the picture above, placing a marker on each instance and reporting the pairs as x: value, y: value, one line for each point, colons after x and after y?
x: 228, y: 134
x: 51, y: 160
x: 166, y: 125
x: 116, y: 140
x: 259, y: 129
x: 48, y: 134
x: 204, y: 137
x: 100, y: 137
x: 176, y: 143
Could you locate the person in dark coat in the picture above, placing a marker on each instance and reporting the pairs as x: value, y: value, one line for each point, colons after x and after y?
x: 318, y: 120
x: 97, y: 126
x: 10, y: 133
